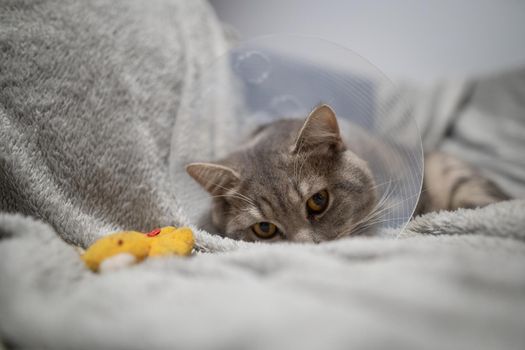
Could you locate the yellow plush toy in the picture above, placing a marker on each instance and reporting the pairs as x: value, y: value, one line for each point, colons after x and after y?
x: 128, y: 247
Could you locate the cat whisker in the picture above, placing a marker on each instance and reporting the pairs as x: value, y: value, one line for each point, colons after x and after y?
x: 377, y: 185
x: 379, y: 216
x: 376, y: 215
x: 235, y: 194
x: 362, y: 228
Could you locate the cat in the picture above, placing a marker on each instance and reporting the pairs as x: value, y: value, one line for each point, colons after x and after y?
x: 298, y: 181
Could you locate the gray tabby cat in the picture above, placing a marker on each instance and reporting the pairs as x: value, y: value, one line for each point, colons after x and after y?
x: 298, y: 181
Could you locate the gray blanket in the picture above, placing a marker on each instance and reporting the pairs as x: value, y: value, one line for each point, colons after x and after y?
x: 89, y: 92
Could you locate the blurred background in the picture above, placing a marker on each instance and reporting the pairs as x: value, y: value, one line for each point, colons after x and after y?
x: 409, y: 40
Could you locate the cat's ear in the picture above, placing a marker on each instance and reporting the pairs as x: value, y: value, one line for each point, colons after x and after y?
x: 320, y: 131
x: 214, y: 178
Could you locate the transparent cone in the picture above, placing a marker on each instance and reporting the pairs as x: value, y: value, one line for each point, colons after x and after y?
x: 286, y: 76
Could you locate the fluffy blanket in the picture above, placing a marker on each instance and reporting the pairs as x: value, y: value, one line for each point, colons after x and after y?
x: 460, y: 286
x: 89, y: 92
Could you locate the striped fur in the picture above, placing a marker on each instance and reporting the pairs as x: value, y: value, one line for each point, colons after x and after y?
x: 450, y: 183
x: 286, y: 163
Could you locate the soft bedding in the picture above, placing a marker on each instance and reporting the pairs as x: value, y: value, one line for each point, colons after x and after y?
x: 89, y: 95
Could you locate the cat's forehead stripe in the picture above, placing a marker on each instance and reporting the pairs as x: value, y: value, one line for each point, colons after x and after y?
x: 255, y: 213
x: 266, y: 206
x: 279, y: 194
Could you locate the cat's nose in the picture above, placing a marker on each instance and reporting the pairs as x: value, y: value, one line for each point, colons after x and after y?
x: 304, y: 236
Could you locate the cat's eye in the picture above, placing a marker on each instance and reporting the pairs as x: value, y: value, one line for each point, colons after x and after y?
x: 265, y: 230
x: 318, y: 203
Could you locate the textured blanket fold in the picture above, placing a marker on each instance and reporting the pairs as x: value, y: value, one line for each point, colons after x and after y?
x: 461, y: 287
x: 89, y: 94
x: 90, y: 91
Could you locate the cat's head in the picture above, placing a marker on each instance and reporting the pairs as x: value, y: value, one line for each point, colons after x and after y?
x: 293, y: 181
